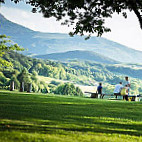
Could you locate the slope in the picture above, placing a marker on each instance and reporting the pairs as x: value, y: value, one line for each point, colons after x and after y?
x: 79, y: 55
x: 46, y: 43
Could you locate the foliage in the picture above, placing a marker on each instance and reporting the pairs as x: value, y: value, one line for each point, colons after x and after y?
x: 131, y: 70
x: 84, y: 73
x: 68, y: 89
x: 6, y: 46
x: 54, y: 82
x: 108, y: 89
x: 44, y: 68
x: 3, y: 80
x: 87, y: 16
x: 16, y: 81
x: 25, y: 77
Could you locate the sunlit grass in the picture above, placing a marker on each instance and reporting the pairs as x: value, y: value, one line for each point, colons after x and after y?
x: 39, y: 118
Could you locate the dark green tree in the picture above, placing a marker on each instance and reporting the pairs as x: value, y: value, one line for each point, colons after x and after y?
x: 34, y: 76
x: 68, y: 89
x: 3, y: 80
x: 78, y: 92
x: 25, y: 77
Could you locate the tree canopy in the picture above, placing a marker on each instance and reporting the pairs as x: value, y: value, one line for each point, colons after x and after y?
x: 86, y: 16
x: 6, y: 45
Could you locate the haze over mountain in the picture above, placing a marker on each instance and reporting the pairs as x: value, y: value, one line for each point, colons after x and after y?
x: 78, y: 55
x: 45, y: 43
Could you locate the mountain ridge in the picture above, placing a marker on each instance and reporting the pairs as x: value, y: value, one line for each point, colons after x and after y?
x: 79, y: 55
x: 46, y: 43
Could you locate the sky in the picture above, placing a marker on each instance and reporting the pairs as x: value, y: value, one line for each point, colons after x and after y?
x: 123, y: 31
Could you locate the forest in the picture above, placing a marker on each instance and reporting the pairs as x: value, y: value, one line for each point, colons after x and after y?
x: 28, y: 70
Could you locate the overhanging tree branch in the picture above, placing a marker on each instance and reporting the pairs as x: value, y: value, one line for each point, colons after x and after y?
x: 87, y: 16
x: 136, y: 6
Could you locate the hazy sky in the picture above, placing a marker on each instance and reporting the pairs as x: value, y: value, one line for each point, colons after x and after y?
x: 124, y: 31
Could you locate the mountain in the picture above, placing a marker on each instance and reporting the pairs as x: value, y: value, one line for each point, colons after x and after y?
x: 79, y: 55
x: 46, y: 43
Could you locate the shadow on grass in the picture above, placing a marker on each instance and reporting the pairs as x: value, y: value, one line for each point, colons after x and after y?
x: 57, y: 110
x: 75, y: 125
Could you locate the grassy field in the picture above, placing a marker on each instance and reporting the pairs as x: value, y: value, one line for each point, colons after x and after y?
x: 48, y: 118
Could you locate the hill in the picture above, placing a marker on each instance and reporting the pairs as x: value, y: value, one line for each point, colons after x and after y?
x: 76, y: 72
x: 79, y: 55
x: 40, y: 67
x: 45, y: 43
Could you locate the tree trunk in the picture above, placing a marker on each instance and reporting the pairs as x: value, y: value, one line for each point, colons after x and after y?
x: 29, y: 89
x: 22, y: 87
x: 12, y: 86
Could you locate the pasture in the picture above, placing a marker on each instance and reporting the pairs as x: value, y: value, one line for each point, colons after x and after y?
x: 55, y: 118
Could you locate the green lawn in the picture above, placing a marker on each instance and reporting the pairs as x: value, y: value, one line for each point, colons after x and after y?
x: 49, y: 118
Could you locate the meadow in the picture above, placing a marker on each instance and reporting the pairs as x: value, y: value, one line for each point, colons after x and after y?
x: 54, y: 118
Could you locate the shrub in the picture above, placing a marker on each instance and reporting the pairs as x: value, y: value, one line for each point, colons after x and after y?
x: 68, y: 89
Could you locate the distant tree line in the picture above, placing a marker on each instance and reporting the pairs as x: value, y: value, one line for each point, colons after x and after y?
x: 26, y: 69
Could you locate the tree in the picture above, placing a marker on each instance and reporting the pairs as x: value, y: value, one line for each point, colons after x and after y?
x: 68, y: 89
x: 86, y: 15
x: 6, y: 45
x: 108, y: 89
x: 25, y: 77
x: 3, y: 80
x: 78, y: 92
x: 16, y: 82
